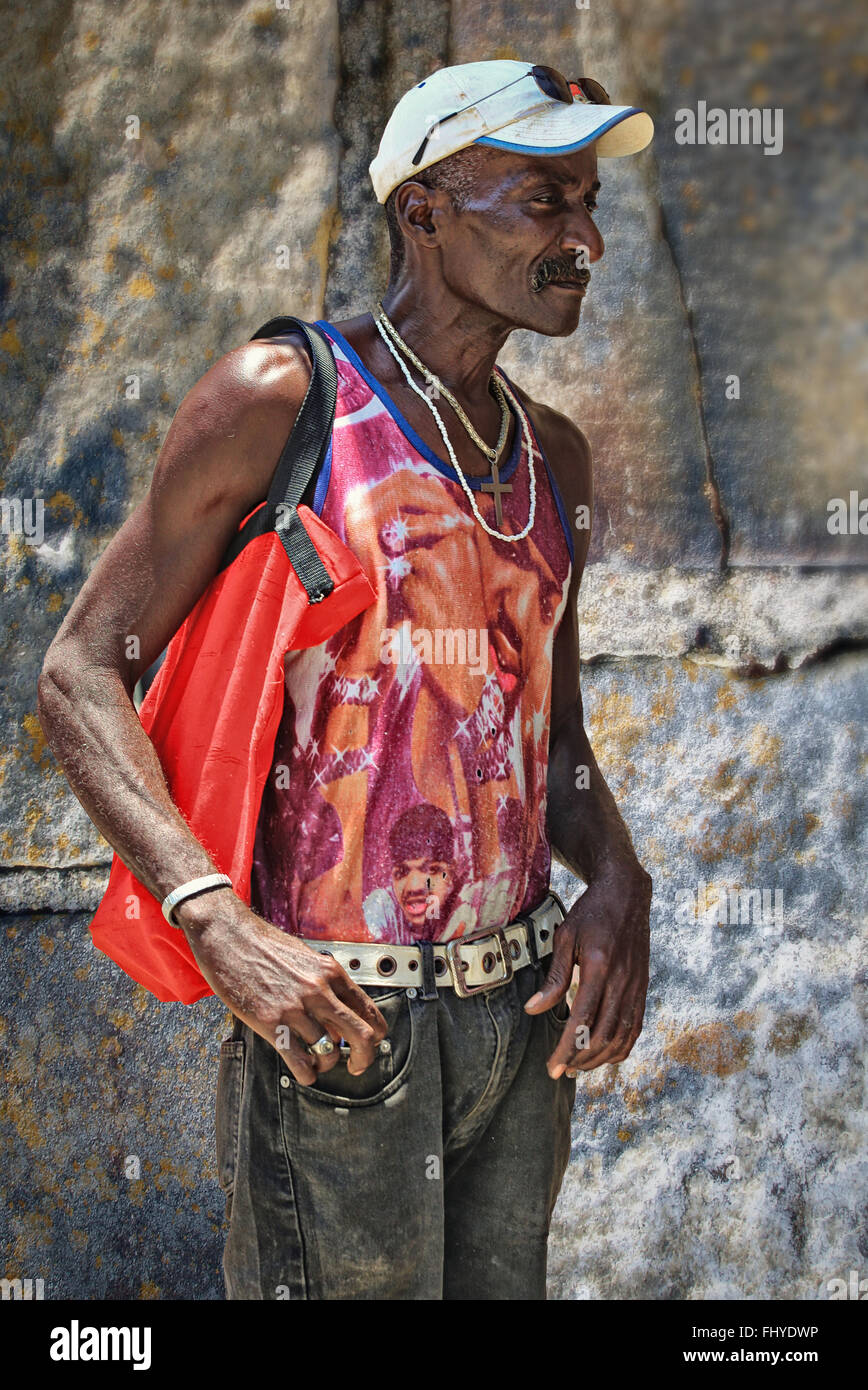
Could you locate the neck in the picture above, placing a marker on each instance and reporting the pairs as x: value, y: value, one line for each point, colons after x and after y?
x: 457, y: 341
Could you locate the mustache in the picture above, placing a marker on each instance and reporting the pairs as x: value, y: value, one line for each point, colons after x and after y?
x: 554, y: 271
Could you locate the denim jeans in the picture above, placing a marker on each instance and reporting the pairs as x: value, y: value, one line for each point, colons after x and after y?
x: 432, y: 1175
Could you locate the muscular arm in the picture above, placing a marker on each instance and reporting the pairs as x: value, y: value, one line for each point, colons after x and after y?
x: 215, y: 466
x: 606, y: 931
x: 585, y: 827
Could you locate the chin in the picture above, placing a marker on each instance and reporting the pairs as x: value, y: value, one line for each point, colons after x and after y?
x: 552, y: 324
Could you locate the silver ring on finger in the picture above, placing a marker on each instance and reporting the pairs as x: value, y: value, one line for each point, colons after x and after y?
x: 322, y: 1047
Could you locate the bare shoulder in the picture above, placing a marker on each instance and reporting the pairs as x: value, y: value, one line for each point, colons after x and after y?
x: 566, y: 449
x: 233, y: 422
x: 256, y: 373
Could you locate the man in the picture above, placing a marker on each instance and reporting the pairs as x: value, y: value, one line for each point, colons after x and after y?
x: 393, y: 1119
x: 423, y: 893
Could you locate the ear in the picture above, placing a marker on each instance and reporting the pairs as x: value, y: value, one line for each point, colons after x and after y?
x: 417, y: 209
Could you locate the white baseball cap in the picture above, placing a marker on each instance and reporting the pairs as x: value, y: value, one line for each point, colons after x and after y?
x: 501, y: 104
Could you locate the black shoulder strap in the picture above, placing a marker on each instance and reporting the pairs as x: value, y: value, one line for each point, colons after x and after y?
x: 302, y: 457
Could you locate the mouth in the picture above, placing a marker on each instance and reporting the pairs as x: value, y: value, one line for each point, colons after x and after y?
x: 576, y: 284
x: 415, y: 906
x: 503, y: 649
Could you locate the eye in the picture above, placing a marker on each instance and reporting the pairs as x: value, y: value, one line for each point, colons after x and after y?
x: 590, y: 200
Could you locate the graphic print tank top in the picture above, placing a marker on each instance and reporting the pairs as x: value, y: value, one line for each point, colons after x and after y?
x: 407, y: 796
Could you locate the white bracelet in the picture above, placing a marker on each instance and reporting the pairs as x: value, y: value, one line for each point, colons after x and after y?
x: 186, y: 890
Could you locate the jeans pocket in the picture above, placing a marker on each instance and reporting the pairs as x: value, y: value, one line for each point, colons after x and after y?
x: 389, y: 1069
x: 230, y: 1083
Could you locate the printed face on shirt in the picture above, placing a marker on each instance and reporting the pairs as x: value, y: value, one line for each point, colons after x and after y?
x: 422, y: 887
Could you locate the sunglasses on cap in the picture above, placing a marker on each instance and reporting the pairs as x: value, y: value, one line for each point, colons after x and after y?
x: 550, y: 82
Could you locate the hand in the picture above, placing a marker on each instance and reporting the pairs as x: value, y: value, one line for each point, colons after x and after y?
x: 607, y: 934
x: 288, y: 993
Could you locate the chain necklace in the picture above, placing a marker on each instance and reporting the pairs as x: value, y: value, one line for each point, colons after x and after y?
x: 498, y: 535
x: 494, y: 387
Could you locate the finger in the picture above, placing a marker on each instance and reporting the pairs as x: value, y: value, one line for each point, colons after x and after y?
x: 363, y: 1039
x: 293, y: 1038
x: 624, y: 1050
x: 300, y: 1065
x: 605, y: 1030
x: 572, y: 1042
x: 614, y: 1027
x: 343, y: 987
x: 618, y: 1051
x: 360, y: 1003
x: 590, y: 1040
x: 618, y: 1022
x: 558, y: 976
x: 633, y: 1026
x: 339, y: 1004
x: 583, y: 1014
x: 293, y: 1050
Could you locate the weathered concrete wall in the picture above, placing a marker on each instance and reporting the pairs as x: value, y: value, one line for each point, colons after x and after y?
x: 726, y: 1158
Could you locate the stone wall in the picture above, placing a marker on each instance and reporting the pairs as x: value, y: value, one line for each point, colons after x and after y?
x: 723, y: 626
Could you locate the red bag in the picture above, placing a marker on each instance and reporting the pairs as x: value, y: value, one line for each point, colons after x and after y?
x: 214, y: 708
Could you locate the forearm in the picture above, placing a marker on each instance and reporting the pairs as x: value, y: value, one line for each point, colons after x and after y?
x: 112, y: 767
x: 585, y: 827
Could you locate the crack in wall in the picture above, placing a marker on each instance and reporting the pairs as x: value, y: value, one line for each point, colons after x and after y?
x: 712, y: 488
x: 840, y: 647
x: 381, y: 51
x: 363, y: 68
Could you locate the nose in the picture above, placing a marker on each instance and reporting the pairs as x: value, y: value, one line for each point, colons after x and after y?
x: 583, y: 232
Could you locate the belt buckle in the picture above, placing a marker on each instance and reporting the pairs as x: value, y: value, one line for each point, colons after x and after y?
x: 462, y: 989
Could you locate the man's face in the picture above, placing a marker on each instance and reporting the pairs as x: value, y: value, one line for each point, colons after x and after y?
x: 513, y: 246
x: 422, y: 887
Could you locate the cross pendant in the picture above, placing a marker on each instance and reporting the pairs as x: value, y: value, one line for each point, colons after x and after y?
x: 497, y: 487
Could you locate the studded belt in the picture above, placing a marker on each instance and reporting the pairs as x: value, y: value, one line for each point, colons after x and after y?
x: 469, y: 964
